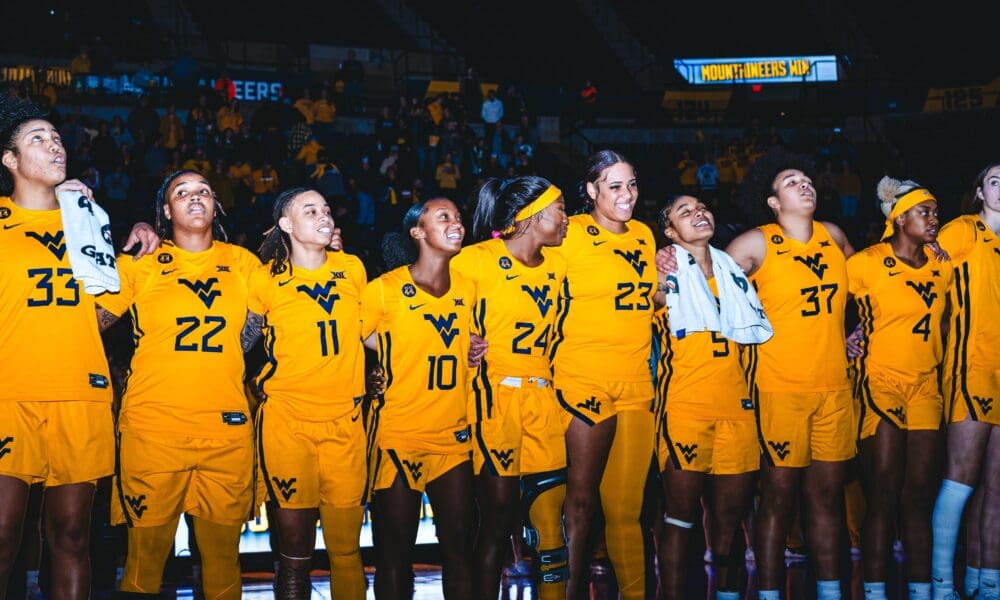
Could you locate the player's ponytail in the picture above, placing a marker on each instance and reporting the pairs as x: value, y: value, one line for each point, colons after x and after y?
x: 277, y: 245
x: 399, y: 249
x: 889, y: 191
x: 498, y: 204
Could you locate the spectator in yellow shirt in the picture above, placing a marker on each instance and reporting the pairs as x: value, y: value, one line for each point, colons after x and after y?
x: 324, y: 113
x: 80, y: 64
x: 265, y: 187
x: 306, y: 106
x: 240, y: 174
x: 229, y: 116
x: 309, y: 152
x: 199, y: 163
x: 448, y: 176
x: 171, y: 128
x: 687, y: 171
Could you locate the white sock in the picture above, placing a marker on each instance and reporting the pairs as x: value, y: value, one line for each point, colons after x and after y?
x: 720, y: 595
x: 768, y: 595
x: 945, y: 522
x: 875, y: 590
x: 919, y: 590
x: 828, y: 589
x: 971, y: 580
x: 989, y: 584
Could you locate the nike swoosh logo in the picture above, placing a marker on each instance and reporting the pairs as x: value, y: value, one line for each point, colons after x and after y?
x: 165, y: 272
x: 355, y: 417
x: 509, y: 277
x: 891, y: 274
x: 599, y: 243
x: 987, y: 240
x: 284, y: 283
x: 415, y: 307
x: 6, y: 227
x: 780, y: 252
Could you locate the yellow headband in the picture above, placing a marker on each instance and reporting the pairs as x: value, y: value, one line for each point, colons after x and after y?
x: 534, y: 207
x: 905, y: 203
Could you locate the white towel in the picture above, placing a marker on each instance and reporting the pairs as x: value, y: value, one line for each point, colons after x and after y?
x: 691, y: 306
x: 87, y: 231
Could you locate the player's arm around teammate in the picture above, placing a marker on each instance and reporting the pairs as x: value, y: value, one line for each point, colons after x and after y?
x: 185, y: 439
x: 518, y: 442
x: 970, y: 384
x: 901, y: 292
x: 708, y: 426
x: 418, y: 317
x: 600, y: 355
x: 311, y: 450
x: 55, y: 418
x: 806, y: 415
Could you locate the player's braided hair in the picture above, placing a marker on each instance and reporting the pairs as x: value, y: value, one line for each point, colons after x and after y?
x: 277, y: 245
x: 14, y: 112
x: 165, y: 228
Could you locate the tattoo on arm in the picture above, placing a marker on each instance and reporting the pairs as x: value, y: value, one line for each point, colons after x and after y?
x: 251, y: 331
x: 105, y: 319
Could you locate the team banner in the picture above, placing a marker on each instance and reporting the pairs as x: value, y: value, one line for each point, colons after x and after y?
x: 761, y: 69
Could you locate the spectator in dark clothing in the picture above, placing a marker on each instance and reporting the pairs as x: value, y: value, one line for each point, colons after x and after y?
x: 471, y: 92
x: 144, y: 120
x: 352, y: 73
x: 104, y: 150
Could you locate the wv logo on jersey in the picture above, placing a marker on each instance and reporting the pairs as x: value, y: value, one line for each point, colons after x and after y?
x: 540, y: 297
x: 54, y: 243
x: 690, y: 452
x: 285, y: 487
x: 414, y: 469
x: 780, y: 448
x: 4, y: 450
x: 985, y: 404
x: 814, y: 262
x: 321, y: 294
x: 592, y: 404
x: 899, y: 412
x: 444, y: 326
x: 504, y: 457
x: 926, y: 291
x: 137, y: 504
x: 634, y: 258
x: 203, y: 289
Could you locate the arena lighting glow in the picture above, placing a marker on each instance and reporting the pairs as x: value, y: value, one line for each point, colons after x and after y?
x: 758, y: 69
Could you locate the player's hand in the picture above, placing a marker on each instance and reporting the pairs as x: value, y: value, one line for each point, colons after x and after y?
x: 477, y: 350
x: 939, y: 253
x: 145, y: 236
x: 337, y: 243
x: 666, y: 260
x: 854, y: 342
x: 75, y: 186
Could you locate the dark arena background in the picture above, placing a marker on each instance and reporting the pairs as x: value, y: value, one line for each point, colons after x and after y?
x: 378, y: 104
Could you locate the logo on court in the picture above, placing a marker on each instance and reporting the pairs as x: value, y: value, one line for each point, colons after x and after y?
x: 814, y: 262
x: 137, y: 504
x: 444, y: 327
x: 504, y: 457
x: 53, y: 243
x: 985, y: 404
x: 690, y: 452
x: 203, y: 289
x: 540, y: 297
x: 926, y: 291
x: 414, y: 469
x: 634, y: 258
x: 321, y: 294
x: 780, y: 448
x: 285, y: 487
x: 4, y: 450
x: 899, y: 412
x: 592, y: 404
